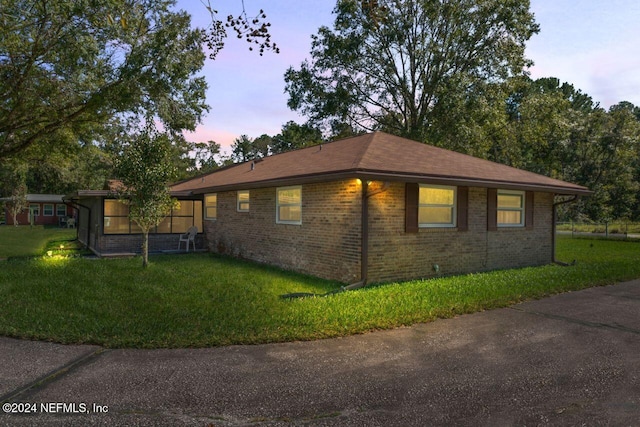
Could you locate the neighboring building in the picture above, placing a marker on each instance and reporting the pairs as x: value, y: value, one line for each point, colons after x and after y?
x: 44, y: 209
x: 372, y: 208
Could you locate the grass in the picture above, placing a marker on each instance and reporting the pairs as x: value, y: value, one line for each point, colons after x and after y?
x: 33, y: 241
x: 201, y: 300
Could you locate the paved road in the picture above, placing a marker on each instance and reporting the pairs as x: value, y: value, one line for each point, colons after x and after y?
x: 572, y: 359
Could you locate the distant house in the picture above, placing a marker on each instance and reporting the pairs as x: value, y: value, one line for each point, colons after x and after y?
x: 44, y: 209
x: 372, y: 208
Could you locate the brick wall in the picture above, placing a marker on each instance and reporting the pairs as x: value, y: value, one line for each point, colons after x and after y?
x: 326, y: 244
x: 395, y: 255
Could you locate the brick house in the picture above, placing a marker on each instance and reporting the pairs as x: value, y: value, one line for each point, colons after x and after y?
x: 379, y: 208
x: 43, y: 209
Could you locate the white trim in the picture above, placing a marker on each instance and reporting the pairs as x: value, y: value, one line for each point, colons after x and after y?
x: 36, y: 207
x: 247, y: 202
x: 521, y: 209
x: 454, y: 207
x: 278, y: 205
x: 53, y: 209
x: 58, y: 205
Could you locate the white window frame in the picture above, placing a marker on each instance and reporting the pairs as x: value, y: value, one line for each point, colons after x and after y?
x: 44, y: 209
x: 278, y: 205
x: 239, y: 202
x: 207, y: 206
x: 521, y: 209
x: 61, y: 209
x: 454, y: 207
x: 34, y: 209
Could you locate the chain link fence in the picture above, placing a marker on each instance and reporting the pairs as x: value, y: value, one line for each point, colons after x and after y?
x: 609, y: 230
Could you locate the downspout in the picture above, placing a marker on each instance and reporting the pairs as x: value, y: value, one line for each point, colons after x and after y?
x: 364, y: 251
x: 364, y: 223
x: 553, y: 231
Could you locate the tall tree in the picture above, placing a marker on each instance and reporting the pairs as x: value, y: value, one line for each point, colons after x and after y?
x: 205, y: 156
x: 13, y: 177
x: 390, y: 64
x: 293, y: 136
x: 145, y: 169
x: 68, y: 64
x: 245, y: 148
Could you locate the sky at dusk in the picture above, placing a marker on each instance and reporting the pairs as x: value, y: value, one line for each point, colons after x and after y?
x: 592, y: 44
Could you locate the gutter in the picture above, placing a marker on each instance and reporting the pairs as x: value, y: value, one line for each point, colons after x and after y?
x: 553, y: 232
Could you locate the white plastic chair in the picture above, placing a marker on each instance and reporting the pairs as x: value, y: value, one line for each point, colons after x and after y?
x: 189, y: 237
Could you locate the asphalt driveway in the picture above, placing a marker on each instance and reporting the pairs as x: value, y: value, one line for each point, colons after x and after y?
x: 572, y: 359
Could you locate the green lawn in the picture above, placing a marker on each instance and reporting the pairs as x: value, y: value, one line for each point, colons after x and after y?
x: 202, y: 300
x: 31, y: 241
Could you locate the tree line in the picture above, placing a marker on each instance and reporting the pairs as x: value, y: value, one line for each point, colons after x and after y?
x: 81, y: 81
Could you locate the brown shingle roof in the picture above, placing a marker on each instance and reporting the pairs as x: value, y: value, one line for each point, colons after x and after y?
x: 375, y: 156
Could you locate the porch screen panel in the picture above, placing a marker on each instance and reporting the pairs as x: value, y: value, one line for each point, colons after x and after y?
x: 182, y: 217
x: 116, y: 217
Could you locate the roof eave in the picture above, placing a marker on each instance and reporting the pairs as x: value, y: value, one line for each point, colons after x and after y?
x: 386, y: 176
x: 106, y: 193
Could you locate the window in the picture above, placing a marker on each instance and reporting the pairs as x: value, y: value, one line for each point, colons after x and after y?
x: 211, y: 206
x: 187, y: 214
x: 511, y: 208
x: 289, y: 205
x: 47, y: 209
x: 436, y: 206
x: 34, y: 210
x: 243, y: 201
x: 61, y: 210
x: 116, y: 217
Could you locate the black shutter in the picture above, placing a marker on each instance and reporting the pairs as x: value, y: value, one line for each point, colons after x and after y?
x: 411, y: 207
x: 463, y: 209
x: 528, y: 210
x: 492, y: 209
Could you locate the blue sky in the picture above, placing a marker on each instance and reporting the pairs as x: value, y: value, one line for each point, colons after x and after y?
x: 592, y: 44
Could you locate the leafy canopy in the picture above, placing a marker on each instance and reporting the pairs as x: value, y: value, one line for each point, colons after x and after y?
x: 388, y: 64
x: 145, y: 170
x: 69, y: 64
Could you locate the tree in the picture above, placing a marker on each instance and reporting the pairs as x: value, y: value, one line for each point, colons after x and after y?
x: 602, y: 154
x: 390, y: 64
x: 293, y: 136
x: 245, y: 148
x: 254, y: 30
x: 205, y: 154
x: 14, y: 176
x: 145, y: 169
x: 68, y: 65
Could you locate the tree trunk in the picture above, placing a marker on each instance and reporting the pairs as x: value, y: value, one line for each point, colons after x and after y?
x: 145, y: 249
